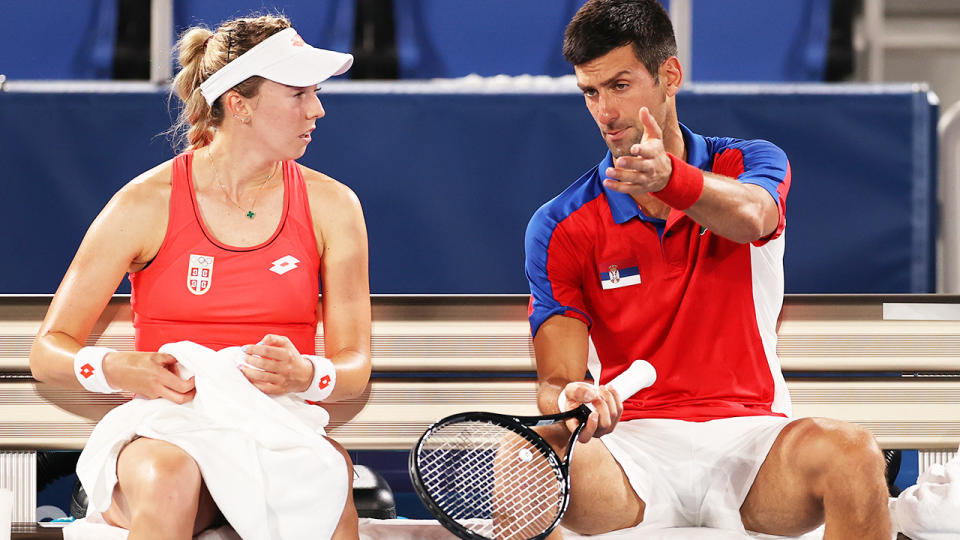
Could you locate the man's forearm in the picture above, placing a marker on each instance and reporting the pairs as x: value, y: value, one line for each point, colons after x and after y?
x: 548, y: 392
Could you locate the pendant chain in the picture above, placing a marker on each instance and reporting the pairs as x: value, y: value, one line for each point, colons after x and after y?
x: 216, y: 176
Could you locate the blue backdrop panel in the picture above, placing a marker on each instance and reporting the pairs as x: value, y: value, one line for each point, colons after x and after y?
x: 760, y: 40
x: 327, y: 24
x: 861, y: 209
x: 440, y: 38
x: 448, y: 181
x: 62, y: 156
x: 58, y: 40
x: 732, y: 40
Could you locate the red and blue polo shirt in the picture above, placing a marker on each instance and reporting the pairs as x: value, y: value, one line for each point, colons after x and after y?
x: 701, y: 308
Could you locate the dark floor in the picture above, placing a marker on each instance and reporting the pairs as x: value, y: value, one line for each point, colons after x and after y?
x: 23, y: 531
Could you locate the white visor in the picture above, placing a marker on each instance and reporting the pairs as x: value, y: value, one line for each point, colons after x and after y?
x: 284, y: 58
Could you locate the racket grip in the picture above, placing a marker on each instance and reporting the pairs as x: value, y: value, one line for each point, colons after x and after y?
x: 638, y: 376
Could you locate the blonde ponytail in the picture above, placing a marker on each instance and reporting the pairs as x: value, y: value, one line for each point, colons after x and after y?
x: 200, y: 54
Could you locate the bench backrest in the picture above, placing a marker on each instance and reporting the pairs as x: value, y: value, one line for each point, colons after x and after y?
x: 889, y: 363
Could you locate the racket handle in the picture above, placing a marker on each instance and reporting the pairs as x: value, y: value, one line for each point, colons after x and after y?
x: 638, y: 376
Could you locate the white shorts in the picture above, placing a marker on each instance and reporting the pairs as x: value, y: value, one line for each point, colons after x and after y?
x: 693, y: 474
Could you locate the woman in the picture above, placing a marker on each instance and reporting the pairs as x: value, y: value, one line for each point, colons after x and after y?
x: 224, y: 246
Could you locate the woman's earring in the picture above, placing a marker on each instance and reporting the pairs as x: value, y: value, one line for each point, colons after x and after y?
x: 242, y: 119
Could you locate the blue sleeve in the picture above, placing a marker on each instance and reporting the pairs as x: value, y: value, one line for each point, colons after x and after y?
x: 765, y: 165
x: 556, y: 292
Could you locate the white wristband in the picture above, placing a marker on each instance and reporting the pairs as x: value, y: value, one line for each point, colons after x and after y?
x: 562, y: 398
x: 324, y: 379
x: 562, y: 401
x: 88, y: 368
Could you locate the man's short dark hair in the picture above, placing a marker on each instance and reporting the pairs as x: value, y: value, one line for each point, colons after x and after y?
x: 603, y: 25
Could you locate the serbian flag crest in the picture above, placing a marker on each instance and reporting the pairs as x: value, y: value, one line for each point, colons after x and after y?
x: 199, y: 274
x: 619, y: 274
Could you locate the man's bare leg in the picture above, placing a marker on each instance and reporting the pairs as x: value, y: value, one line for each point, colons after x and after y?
x: 821, y: 469
x: 601, y: 497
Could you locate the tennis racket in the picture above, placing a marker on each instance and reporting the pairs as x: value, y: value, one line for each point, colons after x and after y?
x: 490, y: 476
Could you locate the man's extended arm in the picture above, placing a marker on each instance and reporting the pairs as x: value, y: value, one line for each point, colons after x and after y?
x: 741, y: 212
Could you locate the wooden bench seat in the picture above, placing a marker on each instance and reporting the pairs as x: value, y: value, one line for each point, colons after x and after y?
x: 436, y: 355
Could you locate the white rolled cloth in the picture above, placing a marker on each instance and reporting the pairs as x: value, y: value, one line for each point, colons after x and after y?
x: 930, y: 509
x: 264, y: 458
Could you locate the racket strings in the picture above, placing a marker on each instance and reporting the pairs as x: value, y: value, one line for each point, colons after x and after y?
x: 491, y: 480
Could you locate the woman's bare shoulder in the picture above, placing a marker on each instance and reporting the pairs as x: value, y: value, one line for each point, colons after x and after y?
x: 143, y: 203
x: 328, y: 192
x: 149, y: 186
x: 132, y: 225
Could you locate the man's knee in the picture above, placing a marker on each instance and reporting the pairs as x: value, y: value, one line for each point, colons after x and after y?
x: 601, y: 497
x: 556, y: 435
x: 837, y: 454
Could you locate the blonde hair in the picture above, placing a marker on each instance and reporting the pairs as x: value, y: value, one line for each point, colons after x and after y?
x: 200, y: 54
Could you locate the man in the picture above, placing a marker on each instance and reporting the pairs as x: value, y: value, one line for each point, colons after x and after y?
x: 671, y: 250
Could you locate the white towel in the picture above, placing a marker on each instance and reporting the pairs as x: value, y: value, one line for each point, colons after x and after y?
x: 263, y: 458
x: 930, y: 509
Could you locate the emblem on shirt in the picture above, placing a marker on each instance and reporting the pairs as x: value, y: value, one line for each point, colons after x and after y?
x: 284, y: 264
x: 619, y: 274
x: 614, y: 274
x: 199, y: 274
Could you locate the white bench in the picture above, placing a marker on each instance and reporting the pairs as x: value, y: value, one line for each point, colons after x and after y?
x: 436, y: 355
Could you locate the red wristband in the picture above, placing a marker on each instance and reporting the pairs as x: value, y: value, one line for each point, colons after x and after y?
x: 684, y: 187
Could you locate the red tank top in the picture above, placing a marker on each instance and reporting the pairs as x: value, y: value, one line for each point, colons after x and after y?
x: 202, y: 290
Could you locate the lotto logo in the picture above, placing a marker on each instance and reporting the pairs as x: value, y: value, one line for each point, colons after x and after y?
x: 324, y: 382
x: 86, y: 370
x: 284, y: 264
